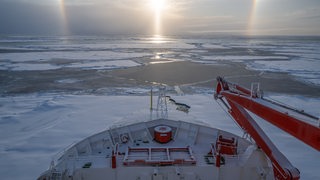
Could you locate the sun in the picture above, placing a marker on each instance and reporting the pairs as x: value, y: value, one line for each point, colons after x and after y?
x: 158, y: 5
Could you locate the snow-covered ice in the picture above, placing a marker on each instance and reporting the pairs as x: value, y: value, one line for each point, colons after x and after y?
x: 299, y: 57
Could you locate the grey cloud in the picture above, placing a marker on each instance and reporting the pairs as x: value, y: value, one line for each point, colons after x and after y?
x: 19, y: 18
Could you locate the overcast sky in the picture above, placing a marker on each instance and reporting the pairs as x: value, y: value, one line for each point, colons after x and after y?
x: 174, y: 17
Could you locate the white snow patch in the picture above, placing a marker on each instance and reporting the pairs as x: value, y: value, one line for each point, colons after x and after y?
x: 214, y: 46
x: 305, y: 70
x: 103, y: 64
x: 242, y: 58
x: 77, y: 55
x: 32, y: 67
x: 91, y: 64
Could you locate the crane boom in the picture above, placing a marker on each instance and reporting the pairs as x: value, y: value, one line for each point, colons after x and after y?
x: 239, y: 99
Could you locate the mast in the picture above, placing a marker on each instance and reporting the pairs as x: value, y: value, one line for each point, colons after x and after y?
x: 162, y: 107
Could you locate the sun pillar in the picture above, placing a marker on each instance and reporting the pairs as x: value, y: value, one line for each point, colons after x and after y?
x: 64, y: 21
x: 158, y: 6
x: 157, y: 23
x: 251, y: 19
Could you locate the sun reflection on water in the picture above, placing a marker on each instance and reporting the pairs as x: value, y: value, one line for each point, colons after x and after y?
x: 158, y: 39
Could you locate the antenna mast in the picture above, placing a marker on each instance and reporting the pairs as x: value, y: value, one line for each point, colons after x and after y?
x: 162, y: 109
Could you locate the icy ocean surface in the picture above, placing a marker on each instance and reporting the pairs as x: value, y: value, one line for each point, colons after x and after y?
x: 298, y: 56
x: 35, y: 124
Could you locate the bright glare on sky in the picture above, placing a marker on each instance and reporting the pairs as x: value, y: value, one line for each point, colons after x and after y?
x: 160, y: 17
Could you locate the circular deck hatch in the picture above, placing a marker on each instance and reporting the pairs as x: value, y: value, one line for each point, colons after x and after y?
x: 162, y: 134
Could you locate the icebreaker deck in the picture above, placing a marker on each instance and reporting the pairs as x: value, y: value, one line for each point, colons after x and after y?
x: 194, y: 151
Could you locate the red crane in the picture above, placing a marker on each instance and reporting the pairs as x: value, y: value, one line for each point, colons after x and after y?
x: 299, y: 124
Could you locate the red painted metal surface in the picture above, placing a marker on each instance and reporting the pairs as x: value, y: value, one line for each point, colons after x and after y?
x: 240, y: 99
x: 303, y: 131
x: 226, y: 145
x: 162, y: 134
x: 148, y: 156
x: 282, y: 167
x: 114, y: 157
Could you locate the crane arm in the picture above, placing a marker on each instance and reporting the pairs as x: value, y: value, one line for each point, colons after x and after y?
x: 296, y: 126
x: 282, y: 168
x: 303, y: 131
x: 238, y: 99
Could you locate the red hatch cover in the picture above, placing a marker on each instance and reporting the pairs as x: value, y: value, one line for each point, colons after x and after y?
x: 162, y: 134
